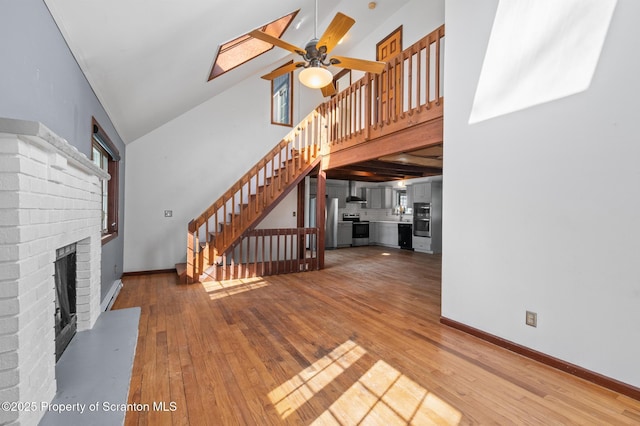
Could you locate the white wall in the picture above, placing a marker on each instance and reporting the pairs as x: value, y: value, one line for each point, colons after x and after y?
x: 541, y: 206
x: 418, y: 18
x: 189, y: 162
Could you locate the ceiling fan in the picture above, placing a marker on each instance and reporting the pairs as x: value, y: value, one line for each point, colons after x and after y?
x: 315, y: 54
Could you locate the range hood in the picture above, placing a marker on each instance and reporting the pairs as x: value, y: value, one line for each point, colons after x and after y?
x: 353, y: 196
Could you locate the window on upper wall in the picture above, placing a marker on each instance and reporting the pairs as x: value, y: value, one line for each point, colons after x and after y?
x: 244, y: 48
x: 105, y: 155
x: 282, y: 99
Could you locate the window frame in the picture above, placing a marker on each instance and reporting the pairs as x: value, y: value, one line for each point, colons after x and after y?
x: 246, y: 47
x: 289, y: 101
x: 101, y: 141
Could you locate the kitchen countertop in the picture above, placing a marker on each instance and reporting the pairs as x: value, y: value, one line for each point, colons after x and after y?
x: 392, y: 221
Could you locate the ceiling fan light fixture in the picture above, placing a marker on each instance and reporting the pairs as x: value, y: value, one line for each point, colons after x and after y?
x: 315, y: 77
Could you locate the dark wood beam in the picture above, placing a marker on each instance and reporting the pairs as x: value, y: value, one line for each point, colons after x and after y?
x: 386, y: 167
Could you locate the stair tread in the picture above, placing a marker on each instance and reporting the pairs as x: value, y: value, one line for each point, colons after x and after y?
x: 181, y: 269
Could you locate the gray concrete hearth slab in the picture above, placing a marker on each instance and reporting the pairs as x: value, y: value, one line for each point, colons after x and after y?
x: 94, y: 372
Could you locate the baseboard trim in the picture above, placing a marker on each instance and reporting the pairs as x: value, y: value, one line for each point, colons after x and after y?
x: 156, y: 271
x: 111, y: 296
x: 583, y: 373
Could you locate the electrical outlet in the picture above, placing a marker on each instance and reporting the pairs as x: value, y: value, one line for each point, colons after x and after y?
x: 168, y: 213
x: 294, y: 214
x: 531, y: 319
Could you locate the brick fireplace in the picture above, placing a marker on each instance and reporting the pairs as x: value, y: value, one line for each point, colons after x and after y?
x: 49, y: 199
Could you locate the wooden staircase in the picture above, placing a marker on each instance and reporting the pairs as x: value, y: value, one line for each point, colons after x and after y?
x: 221, y: 227
x: 360, y: 123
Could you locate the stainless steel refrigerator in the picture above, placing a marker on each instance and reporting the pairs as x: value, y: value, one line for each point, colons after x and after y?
x: 331, y: 222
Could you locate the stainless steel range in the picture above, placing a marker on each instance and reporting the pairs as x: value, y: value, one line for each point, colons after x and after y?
x: 360, y: 233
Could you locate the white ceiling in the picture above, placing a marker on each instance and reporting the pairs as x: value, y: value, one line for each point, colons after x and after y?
x: 148, y: 60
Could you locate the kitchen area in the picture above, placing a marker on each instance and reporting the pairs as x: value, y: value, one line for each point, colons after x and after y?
x: 404, y: 214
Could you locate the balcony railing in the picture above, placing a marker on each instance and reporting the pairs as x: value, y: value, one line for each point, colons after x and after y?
x: 408, y: 92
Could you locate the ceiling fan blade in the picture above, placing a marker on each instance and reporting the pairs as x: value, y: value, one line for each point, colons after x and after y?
x: 328, y: 90
x: 260, y: 35
x: 335, y: 31
x: 282, y: 70
x: 375, y: 67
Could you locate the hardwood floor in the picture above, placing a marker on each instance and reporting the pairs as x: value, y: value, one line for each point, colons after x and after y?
x: 357, y: 343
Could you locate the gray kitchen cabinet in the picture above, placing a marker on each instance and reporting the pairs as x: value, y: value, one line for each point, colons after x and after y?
x: 374, y: 198
x: 379, y: 198
x: 410, y: 196
x: 422, y: 244
x: 340, y: 192
x: 345, y: 230
x: 422, y: 192
x: 388, y: 234
x: 387, y: 198
x: 373, y: 233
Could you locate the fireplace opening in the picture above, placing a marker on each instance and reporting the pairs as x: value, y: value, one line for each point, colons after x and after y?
x: 65, y: 313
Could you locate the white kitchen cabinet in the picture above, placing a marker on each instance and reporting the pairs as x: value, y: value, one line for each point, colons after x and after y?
x: 422, y: 192
x: 422, y: 244
x: 345, y: 232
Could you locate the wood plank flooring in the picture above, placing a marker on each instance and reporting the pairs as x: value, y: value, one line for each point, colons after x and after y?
x: 357, y: 343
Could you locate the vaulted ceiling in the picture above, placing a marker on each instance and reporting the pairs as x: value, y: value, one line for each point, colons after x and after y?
x: 148, y: 61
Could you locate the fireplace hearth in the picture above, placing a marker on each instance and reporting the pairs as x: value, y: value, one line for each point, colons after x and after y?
x: 50, y: 252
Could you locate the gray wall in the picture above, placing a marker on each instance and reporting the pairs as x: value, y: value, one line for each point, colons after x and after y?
x: 41, y: 81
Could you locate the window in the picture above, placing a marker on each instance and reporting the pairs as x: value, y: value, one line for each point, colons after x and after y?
x: 244, y: 48
x: 106, y: 156
x: 282, y: 99
x: 402, y: 199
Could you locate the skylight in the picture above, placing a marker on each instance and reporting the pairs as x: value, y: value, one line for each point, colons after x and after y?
x: 244, y: 48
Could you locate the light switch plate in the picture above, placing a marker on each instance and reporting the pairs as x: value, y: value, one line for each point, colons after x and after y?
x: 168, y: 213
x: 532, y: 319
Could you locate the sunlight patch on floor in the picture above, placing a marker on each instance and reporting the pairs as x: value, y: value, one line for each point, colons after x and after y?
x: 292, y: 394
x: 221, y: 289
x: 382, y: 396
x: 540, y: 51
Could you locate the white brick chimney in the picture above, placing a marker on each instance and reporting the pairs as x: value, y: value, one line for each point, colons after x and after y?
x: 49, y: 198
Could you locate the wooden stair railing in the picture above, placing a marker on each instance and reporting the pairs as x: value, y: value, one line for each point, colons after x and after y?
x: 359, y: 114
x: 220, y: 226
x: 263, y: 252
